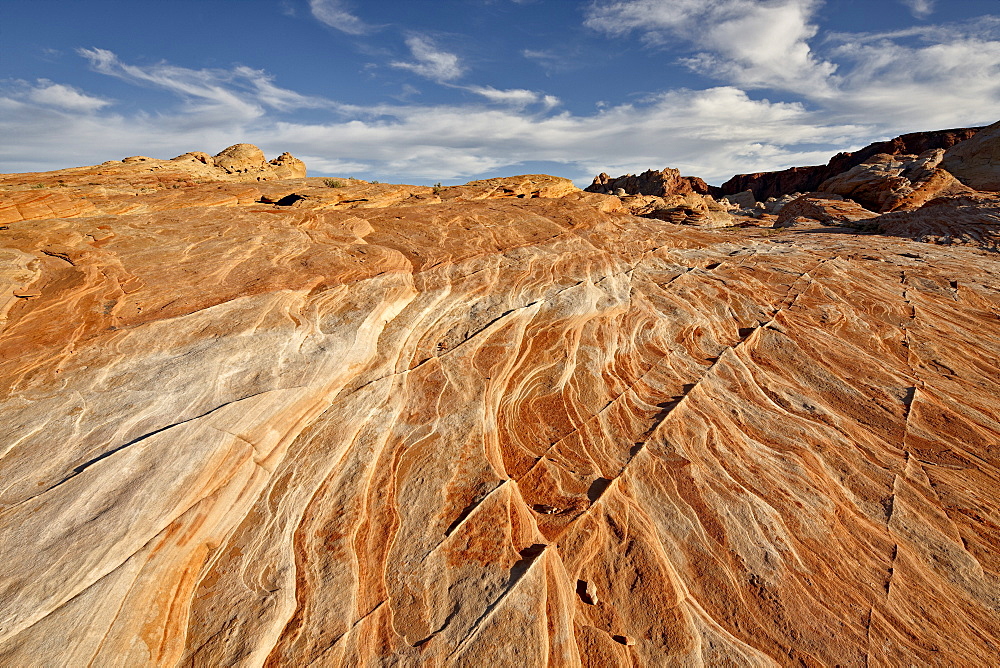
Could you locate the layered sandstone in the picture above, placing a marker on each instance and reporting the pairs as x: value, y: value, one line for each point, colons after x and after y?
x: 282, y: 423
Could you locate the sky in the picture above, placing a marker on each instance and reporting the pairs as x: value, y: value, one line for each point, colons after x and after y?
x: 427, y: 91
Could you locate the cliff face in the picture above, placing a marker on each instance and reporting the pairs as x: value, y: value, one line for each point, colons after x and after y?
x: 806, y: 179
x: 482, y: 426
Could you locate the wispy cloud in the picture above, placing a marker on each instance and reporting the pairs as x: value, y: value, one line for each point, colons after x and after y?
x: 241, y: 92
x: 515, y: 97
x: 430, y: 61
x: 920, y: 8
x: 335, y: 14
x: 65, y: 97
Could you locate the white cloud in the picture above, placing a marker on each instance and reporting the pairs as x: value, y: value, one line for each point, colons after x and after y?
x: 242, y: 92
x: 514, y: 97
x: 64, y: 97
x: 920, y: 8
x: 927, y: 86
x: 334, y: 14
x: 887, y: 84
x: 431, y: 62
x: 916, y: 78
x: 712, y: 133
x: 744, y: 42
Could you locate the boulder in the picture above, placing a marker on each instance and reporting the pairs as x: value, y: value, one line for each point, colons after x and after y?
x: 976, y: 161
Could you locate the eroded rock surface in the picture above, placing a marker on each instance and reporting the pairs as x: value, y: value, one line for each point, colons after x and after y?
x: 976, y: 162
x: 890, y: 183
x: 493, y: 430
x: 664, y: 183
x: 822, y: 207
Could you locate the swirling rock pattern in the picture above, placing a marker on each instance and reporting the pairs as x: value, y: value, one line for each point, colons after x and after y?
x: 515, y: 432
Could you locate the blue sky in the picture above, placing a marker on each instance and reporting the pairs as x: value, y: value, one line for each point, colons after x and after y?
x: 420, y: 91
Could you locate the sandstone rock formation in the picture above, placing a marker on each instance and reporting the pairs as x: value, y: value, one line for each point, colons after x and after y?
x: 976, y: 162
x: 687, y: 209
x: 389, y: 425
x: 247, y: 159
x: 527, y: 185
x: 805, y: 179
x: 971, y: 218
x: 663, y: 183
x: 744, y: 200
x: 822, y: 207
x: 889, y: 183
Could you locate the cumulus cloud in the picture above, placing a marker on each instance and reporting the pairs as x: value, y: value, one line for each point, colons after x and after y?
x: 335, y: 14
x: 915, y: 78
x: 746, y: 42
x: 920, y: 8
x: 430, y: 62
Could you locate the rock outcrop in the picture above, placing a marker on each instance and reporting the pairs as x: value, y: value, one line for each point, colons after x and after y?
x: 971, y: 218
x: 976, y: 162
x: 394, y: 425
x: 888, y: 183
x: 687, y: 209
x: 824, y: 208
x: 663, y: 183
x: 806, y: 179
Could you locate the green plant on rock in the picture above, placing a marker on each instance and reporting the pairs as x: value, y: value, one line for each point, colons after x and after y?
x: 333, y: 183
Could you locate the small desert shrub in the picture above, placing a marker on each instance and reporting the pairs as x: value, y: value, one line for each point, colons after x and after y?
x: 333, y: 183
x: 38, y: 185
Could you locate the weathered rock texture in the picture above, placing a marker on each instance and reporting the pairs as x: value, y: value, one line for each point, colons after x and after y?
x: 511, y: 431
x: 663, y: 183
x: 806, y: 179
x: 889, y: 183
x: 823, y: 207
x: 976, y: 162
x: 972, y: 218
